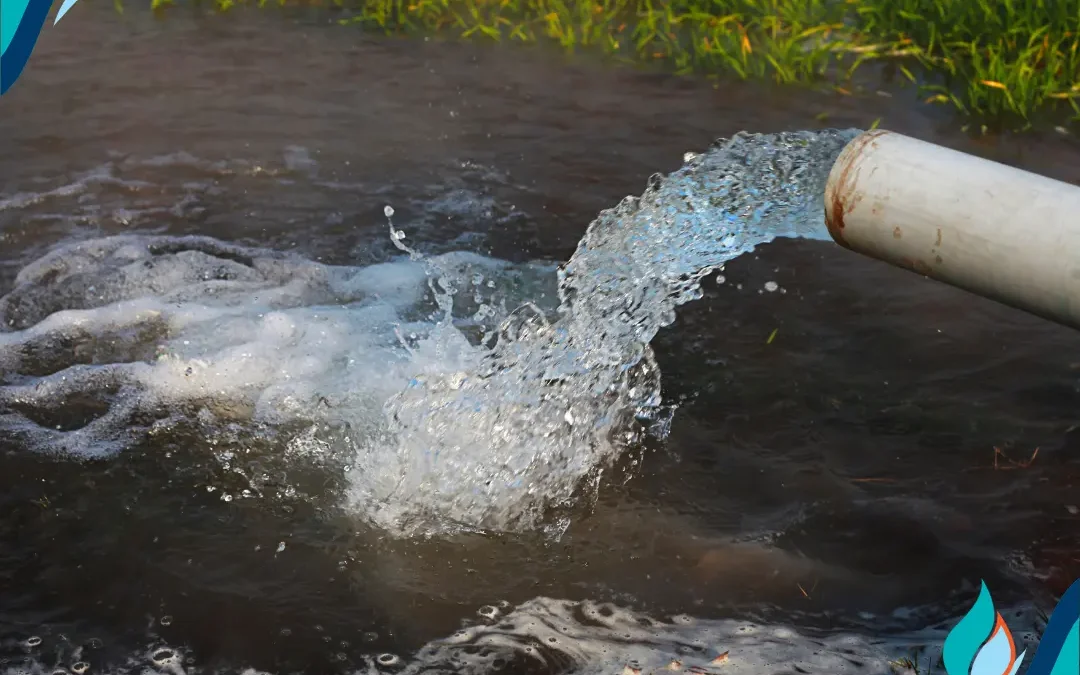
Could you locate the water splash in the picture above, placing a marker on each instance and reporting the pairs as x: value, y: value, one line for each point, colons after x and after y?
x: 507, y: 437
x: 446, y: 410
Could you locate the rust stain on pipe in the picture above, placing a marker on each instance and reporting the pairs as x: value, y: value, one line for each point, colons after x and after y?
x: 845, y: 196
x: 916, y: 266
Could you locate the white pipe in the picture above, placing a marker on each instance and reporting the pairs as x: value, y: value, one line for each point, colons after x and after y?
x: 1003, y: 233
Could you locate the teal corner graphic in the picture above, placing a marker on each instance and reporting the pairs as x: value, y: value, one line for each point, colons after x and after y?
x: 981, y: 643
x: 21, y: 22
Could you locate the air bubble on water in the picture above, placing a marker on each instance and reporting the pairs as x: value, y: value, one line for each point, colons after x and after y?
x: 280, y: 547
x: 771, y: 286
x: 80, y: 667
x: 388, y: 211
x: 488, y: 612
x: 164, y: 657
x: 387, y: 659
x: 165, y: 620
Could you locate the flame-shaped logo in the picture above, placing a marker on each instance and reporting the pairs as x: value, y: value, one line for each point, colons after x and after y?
x: 981, y: 643
x: 20, y: 24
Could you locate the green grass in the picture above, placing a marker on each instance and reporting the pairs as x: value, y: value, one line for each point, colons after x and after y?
x: 1007, y: 63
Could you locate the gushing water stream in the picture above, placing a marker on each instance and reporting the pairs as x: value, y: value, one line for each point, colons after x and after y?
x: 494, y: 420
x: 495, y: 444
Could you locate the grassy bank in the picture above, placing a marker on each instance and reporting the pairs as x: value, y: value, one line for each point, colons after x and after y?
x: 1003, y: 62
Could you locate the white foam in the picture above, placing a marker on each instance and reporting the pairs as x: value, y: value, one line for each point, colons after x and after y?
x: 175, y: 326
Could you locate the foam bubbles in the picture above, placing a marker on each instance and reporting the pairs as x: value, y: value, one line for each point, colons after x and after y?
x: 165, y: 658
x: 105, y: 341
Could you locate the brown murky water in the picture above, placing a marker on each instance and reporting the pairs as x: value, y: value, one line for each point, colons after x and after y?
x: 841, y: 470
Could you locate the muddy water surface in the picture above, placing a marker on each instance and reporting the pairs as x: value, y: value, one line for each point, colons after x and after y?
x: 831, y: 462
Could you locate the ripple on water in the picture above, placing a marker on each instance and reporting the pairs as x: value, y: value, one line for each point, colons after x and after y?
x: 547, y: 635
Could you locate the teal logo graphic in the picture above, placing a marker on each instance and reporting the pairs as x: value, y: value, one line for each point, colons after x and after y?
x: 20, y: 24
x: 981, y: 644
